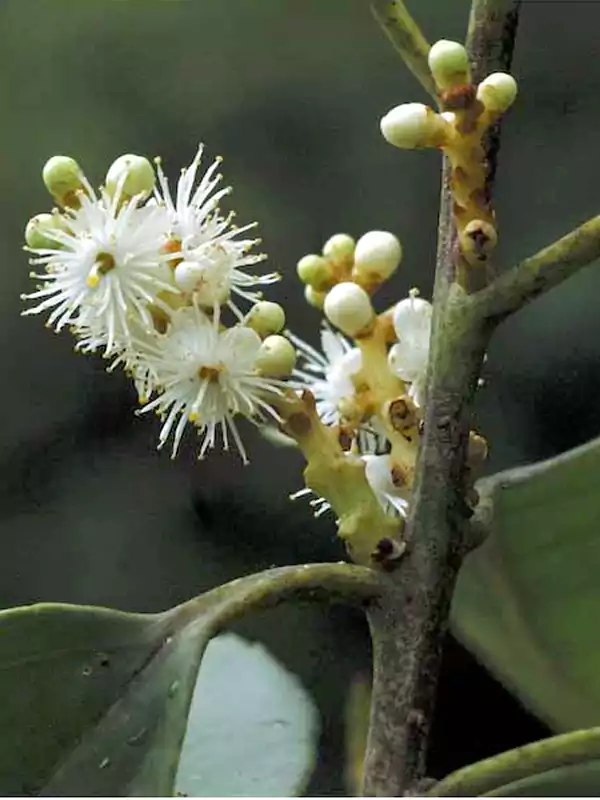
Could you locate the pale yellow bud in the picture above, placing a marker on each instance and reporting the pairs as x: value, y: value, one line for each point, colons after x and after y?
x: 62, y: 177
x: 130, y: 175
x: 377, y: 256
x: 315, y: 271
x: 276, y: 357
x: 449, y: 64
x: 314, y: 298
x: 339, y: 248
x: 349, y: 308
x: 497, y: 92
x: 265, y: 318
x: 39, y: 230
x: 415, y: 125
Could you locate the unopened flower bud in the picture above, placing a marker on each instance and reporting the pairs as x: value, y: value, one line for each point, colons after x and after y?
x: 377, y: 256
x: 187, y: 274
x: 449, y: 64
x: 62, y: 177
x: 314, y: 298
x: 497, y: 92
x: 265, y: 318
x: 415, y: 125
x: 130, y: 175
x: 276, y: 357
x: 339, y: 248
x: 349, y: 308
x: 39, y: 230
x: 315, y: 271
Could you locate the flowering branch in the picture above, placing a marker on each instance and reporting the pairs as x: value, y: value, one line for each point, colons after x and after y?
x: 543, y: 271
x: 408, y: 625
x: 404, y: 34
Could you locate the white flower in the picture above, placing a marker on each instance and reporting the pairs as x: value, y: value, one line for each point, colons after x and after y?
x: 378, y: 472
x: 206, y: 376
x: 328, y: 376
x: 408, y: 357
x: 207, y: 253
x: 105, y: 270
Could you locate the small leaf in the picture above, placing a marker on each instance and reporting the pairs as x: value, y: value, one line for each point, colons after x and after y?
x: 527, y: 601
x: 252, y: 726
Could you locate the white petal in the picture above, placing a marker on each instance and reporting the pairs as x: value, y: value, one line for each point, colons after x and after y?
x: 408, y: 359
x: 412, y: 317
x: 379, y: 477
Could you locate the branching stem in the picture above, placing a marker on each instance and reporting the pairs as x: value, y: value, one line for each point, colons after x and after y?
x: 408, y: 624
x: 541, y: 272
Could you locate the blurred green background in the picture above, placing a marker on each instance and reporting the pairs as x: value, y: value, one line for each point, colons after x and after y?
x: 290, y: 93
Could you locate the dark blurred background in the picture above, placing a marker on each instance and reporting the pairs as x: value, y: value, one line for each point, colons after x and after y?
x: 290, y: 92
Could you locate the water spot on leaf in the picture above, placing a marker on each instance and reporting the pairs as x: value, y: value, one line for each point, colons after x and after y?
x: 138, y: 737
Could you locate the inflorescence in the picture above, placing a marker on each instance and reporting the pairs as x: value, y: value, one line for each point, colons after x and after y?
x: 162, y: 283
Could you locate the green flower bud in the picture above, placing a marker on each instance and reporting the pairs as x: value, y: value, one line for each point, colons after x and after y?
x: 339, y: 248
x: 265, y: 318
x: 38, y: 233
x: 315, y: 271
x: 449, y: 64
x: 132, y: 175
x: 349, y: 308
x: 314, y: 298
x: 62, y: 177
x: 276, y: 357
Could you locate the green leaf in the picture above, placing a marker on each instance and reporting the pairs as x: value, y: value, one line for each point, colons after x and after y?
x: 562, y: 766
x: 258, y: 726
x: 527, y: 601
x: 95, y: 702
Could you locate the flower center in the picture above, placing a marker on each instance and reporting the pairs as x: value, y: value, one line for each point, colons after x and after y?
x: 173, y: 245
x: 103, y: 264
x: 210, y: 374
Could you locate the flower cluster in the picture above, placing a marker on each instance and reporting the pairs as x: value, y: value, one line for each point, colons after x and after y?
x: 368, y: 379
x: 146, y: 276
x: 370, y: 364
x: 163, y: 284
